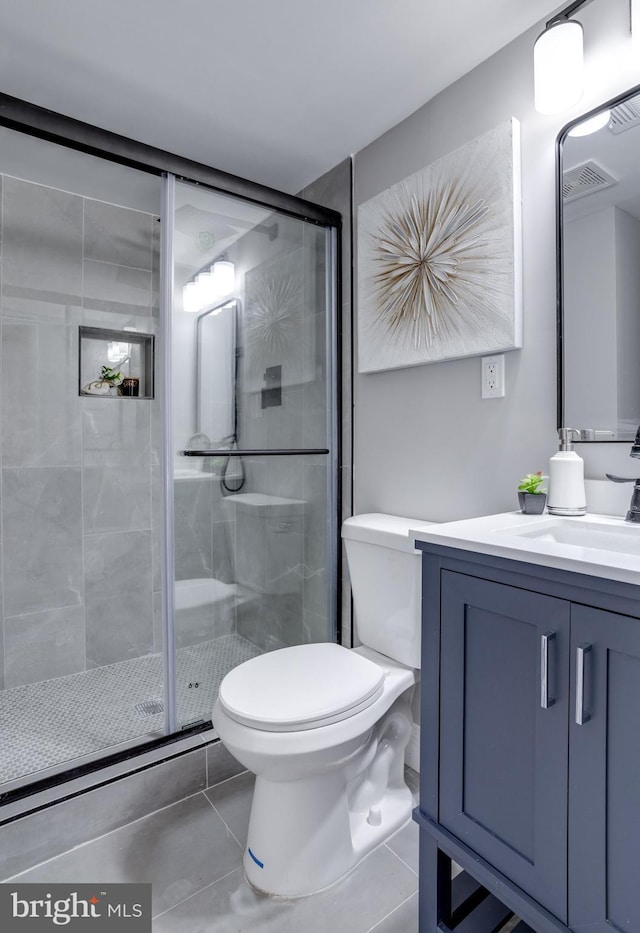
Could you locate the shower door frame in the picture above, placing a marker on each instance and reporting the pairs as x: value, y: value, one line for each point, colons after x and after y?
x: 32, y: 120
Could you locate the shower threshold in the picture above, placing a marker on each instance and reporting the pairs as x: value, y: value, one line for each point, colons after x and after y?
x: 53, y: 722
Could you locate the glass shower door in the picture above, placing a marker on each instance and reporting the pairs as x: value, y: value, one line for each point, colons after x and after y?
x: 159, y: 524
x: 81, y: 664
x: 253, y: 453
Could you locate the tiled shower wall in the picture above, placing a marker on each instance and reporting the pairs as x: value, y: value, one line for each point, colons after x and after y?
x: 80, y: 502
x: 288, y: 549
x: 295, y: 608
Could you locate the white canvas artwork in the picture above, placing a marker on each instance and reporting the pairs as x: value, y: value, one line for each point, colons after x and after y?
x: 279, y: 323
x: 439, y: 259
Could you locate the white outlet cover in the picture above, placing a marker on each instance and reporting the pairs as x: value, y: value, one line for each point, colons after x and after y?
x: 492, y: 369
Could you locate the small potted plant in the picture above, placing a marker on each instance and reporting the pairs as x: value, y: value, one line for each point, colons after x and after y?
x: 109, y: 378
x: 531, y: 496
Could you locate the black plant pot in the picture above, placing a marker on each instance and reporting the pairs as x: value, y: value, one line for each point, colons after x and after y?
x: 532, y: 503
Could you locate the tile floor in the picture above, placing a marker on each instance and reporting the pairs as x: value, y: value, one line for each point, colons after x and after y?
x: 191, y: 852
x: 55, y: 721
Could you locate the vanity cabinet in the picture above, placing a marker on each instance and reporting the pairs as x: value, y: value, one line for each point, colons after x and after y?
x: 604, y: 775
x: 530, y: 772
x: 493, y: 793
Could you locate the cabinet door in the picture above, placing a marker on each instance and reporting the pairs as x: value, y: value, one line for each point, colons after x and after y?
x: 503, y: 757
x: 604, y: 777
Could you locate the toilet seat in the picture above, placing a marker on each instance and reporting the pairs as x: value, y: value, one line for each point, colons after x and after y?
x: 299, y: 688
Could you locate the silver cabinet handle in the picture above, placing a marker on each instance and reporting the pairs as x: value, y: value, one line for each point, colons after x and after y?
x: 546, y: 698
x: 581, y: 654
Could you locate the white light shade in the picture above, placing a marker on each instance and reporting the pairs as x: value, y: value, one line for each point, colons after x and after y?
x: 558, y: 66
x: 207, y: 290
x: 592, y: 125
x: 209, y: 287
x: 190, y: 298
x: 224, y: 272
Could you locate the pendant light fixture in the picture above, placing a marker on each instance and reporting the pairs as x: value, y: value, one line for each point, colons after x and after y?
x: 558, y: 62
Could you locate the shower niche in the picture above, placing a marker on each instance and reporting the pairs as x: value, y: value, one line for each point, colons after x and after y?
x: 115, y: 363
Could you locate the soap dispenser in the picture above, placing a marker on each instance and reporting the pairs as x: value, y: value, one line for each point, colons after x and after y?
x: 566, y: 478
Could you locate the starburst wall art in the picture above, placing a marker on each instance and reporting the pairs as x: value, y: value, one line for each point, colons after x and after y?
x: 439, y: 259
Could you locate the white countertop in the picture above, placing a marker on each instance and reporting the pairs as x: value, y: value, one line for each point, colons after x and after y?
x: 607, y: 547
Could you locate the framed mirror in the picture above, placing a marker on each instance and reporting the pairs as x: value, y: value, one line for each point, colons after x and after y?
x: 216, y: 373
x: 598, y: 222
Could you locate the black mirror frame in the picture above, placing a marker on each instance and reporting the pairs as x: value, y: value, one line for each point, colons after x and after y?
x: 560, y: 140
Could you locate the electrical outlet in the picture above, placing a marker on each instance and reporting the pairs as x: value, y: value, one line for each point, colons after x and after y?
x: 493, y: 376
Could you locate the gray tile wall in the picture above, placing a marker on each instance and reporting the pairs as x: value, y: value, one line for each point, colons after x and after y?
x: 80, y: 526
x: 295, y: 607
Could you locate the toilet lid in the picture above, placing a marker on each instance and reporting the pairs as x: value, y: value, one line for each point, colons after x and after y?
x: 302, y: 687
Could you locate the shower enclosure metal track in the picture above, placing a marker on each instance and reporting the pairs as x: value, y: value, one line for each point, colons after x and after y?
x: 258, y: 452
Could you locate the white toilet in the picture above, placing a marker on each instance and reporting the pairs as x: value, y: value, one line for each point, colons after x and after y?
x: 325, y: 728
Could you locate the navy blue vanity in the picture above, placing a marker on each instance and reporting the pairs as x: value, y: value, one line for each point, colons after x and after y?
x: 530, y: 754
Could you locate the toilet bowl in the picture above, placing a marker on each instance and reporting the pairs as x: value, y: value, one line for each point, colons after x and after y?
x: 325, y: 728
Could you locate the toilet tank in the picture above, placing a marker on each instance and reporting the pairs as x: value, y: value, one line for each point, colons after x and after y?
x: 385, y: 571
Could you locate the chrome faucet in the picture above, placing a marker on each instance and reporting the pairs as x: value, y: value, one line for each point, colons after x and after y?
x: 633, y: 515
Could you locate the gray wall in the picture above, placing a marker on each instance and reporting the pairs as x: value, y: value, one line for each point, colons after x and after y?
x: 334, y: 190
x: 426, y: 445
x: 590, y: 264
x: 627, y: 296
x: 78, y: 526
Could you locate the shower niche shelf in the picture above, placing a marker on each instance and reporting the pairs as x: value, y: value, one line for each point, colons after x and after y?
x: 129, y: 352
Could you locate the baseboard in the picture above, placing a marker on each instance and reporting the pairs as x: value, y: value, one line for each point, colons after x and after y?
x: 412, y: 754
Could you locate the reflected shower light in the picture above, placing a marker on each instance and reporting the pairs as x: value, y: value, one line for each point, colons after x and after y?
x: 190, y: 298
x: 207, y: 290
x: 592, y: 125
x: 224, y: 273
x: 117, y: 352
x: 209, y: 287
x: 225, y: 307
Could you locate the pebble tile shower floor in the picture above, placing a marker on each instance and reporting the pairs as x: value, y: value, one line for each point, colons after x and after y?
x: 47, y: 723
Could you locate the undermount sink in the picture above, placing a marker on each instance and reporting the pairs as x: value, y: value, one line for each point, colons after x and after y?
x: 603, y: 533
x: 598, y: 545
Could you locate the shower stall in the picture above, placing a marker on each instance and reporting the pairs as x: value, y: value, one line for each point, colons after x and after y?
x: 169, y: 483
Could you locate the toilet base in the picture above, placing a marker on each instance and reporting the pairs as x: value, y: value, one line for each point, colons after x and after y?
x: 300, y: 867
x: 306, y: 834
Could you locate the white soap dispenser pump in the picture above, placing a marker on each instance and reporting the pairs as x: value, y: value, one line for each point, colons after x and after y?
x: 566, y: 478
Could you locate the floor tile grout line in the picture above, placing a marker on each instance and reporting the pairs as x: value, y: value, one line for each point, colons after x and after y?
x: 391, y: 913
x: 226, y: 780
x: 194, y: 893
x: 116, y: 829
x: 130, y: 823
x: 406, y: 864
x: 224, y: 822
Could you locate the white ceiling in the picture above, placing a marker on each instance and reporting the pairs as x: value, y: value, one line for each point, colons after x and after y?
x: 278, y: 91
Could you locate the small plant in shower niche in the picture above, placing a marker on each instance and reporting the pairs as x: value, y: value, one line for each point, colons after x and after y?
x: 109, y: 378
x: 112, y: 376
x: 531, y: 496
